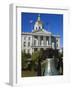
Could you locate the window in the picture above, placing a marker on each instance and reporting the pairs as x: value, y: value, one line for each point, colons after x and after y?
x: 57, y: 45
x: 28, y: 38
x: 34, y: 42
x: 24, y: 44
x: 28, y: 43
x: 36, y: 28
x: 41, y: 37
x: 24, y: 37
x: 47, y: 38
x: 56, y: 40
x: 39, y: 28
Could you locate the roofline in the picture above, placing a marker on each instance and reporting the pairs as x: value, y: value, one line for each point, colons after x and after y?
x: 56, y: 35
x: 28, y: 33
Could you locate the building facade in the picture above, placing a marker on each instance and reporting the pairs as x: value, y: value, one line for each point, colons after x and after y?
x: 39, y: 38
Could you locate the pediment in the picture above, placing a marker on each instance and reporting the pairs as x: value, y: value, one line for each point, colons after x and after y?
x: 42, y: 32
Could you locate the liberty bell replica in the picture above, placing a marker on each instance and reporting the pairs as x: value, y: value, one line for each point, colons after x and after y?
x: 50, y: 68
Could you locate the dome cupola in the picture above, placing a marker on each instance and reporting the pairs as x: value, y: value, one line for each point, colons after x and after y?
x: 38, y: 24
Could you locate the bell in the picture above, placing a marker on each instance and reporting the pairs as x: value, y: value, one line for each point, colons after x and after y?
x: 50, y: 68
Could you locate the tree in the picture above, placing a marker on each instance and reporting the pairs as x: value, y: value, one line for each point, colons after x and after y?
x: 24, y: 58
x: 48, y: 53
x: 60, y: 63
x: 37, y: 57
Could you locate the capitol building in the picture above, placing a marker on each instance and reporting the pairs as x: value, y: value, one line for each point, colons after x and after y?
x: 39, y: 38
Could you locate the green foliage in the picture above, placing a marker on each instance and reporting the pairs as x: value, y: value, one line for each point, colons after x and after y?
x: 24, y: 58
x: 37, y: 55
x: 48, y: 53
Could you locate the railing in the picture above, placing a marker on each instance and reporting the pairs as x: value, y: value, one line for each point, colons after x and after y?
x: 41, y: 46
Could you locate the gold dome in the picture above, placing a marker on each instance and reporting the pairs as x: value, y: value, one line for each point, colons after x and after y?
x: 38, y: 23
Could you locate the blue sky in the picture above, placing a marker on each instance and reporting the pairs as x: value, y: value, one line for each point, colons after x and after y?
x: 52, y: 23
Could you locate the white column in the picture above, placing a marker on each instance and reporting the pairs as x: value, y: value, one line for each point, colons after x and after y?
x: 38, y: 40
x: 44, y: 40
x: 49, y: 40
x: 32, y: 40
x: 32, y: 50
x: 58, y: 43
x: 42, y: 43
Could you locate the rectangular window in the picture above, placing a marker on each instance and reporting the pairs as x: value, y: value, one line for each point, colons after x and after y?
x: 24, y: 44
x: 56, y: 40
x: 57, y: 45
x: 28, y: 38
x: 28, y: 43
x: 24, y: 37
x: 34, y: 42
x: 41, y: 38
